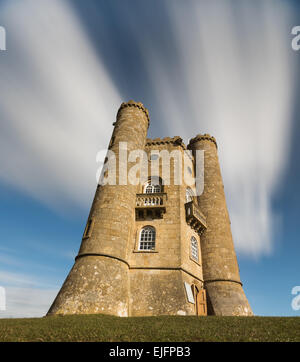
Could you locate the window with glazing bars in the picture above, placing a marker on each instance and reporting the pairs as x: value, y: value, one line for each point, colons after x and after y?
x: 152, y: 189
x: 194, y: 248
x: 147, y: 238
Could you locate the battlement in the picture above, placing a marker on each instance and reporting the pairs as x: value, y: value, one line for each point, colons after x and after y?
x: 176, y: 141
x: 139, y: 105
x: 203, y: 137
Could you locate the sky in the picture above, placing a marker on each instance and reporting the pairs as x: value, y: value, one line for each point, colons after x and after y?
x: 223, y: 67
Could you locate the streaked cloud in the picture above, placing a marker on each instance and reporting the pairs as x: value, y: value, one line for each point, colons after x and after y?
x: 234, y: 80
x: 57, y: 104
x: 27, y: 302
x: 26, y: 295
x: 226, y: 70
x: 24, y: 280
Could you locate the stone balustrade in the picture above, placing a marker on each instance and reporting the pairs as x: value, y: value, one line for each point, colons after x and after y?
x: 151, y: 200
x: 195, y: 217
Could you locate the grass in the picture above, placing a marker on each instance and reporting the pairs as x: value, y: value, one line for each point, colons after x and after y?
x: 103, y: 328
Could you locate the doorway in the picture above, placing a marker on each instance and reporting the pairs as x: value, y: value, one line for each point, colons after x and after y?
x: 200, y: 300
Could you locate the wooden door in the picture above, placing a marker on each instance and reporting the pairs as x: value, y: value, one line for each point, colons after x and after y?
x: 201, y: 302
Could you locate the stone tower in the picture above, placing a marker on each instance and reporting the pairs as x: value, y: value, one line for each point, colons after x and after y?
x: 220, y: 267
x: 154, y: 248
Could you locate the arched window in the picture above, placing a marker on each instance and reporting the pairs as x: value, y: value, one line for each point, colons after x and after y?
x: 153, y: 186
x: 194, y: 248
x: 189, y: 194
x: 147, y: 238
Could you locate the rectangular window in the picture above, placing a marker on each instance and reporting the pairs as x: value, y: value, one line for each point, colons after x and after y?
x: 194, y: 249
x: 88, y: 229
x: 111, y: 143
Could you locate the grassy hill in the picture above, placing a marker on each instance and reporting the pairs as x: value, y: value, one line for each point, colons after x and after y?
x: 149, y: 329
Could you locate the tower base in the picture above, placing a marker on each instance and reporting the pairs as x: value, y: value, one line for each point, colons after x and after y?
x: 227, y: 298
x: 95, y: 284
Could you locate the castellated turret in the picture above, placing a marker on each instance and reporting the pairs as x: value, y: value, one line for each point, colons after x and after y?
x: 220, y: 268
x: 154, y: 247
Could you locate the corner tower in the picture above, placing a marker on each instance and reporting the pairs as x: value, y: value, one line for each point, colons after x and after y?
x: 99, y: 279
x: 220, y: 268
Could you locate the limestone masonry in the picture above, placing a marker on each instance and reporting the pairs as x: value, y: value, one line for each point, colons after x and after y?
x: 155, y: 249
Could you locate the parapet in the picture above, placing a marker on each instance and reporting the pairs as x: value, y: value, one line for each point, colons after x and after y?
x: 176, y: 141
x: 139, y: 105
x: 202, y: 137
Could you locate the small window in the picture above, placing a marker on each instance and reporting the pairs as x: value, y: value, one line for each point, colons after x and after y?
x: 88, y: 228
x: 147, y: 238
x: 111, y: 143
x: 149, y: 213
x: 194, y: 249
x: 157, y: 188
x: 189, y: 195
x: 153, y: 186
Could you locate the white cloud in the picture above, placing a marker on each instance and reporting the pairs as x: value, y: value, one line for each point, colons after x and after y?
x: 57, y: 104
x: 234, y: 81
x: 23, y: 280
x: 27, y: 302
x: 232, y: 78
x: 26, y: 295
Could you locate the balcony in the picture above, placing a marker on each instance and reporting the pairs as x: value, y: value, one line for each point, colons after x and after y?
x: 150, y: 205
x: 194, y: 217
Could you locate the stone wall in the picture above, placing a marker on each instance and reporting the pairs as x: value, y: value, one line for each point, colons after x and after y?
x: 220, y: 267
x: 157, y: 277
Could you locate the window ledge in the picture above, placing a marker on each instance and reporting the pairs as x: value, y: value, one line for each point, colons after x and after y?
x: 145, y: 251
x: 195, y: 261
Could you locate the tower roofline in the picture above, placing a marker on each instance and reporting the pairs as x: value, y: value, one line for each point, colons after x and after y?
x: 201, y: 137
x: 176, y: 141
x: 139, y: 105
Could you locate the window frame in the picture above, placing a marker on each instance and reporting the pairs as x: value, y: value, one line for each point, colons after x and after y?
x: 154, y: 185
x: 147, y: 240
x: 189, y: 195
x: 192, y: 248
x: 88, y: 228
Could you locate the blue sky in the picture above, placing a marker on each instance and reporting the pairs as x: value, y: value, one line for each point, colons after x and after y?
x: 220, y: 67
